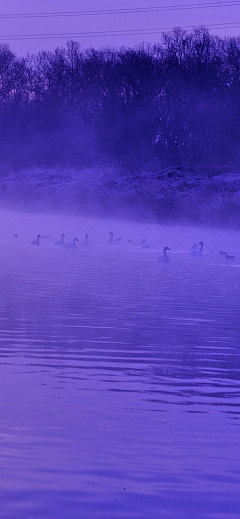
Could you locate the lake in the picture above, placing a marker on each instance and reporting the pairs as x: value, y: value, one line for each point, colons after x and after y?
x: 120, y: 375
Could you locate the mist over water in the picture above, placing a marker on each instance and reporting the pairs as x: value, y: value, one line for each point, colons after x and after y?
x: 119, y: 374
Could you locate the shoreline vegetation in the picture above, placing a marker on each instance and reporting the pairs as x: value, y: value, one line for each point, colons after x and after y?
x: 150, y: 132
x: 170, y: 196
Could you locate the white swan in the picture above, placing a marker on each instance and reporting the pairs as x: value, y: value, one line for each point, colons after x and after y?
x: 113, y: 241
x: 71, y: 245
x: 164, y: 257
x: 60, y: 242
x: 85, y: 243
x: 36, y: 242
x: 197, y: 252
x: 145, y: 245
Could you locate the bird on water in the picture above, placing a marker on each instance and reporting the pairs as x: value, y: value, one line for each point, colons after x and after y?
x: 36, y: 242
x: 229, y: 257
x: 71, y: 245
x: 112, y: 240
x: 145, y: 245
x: 60, y: 242
x: 85, y: 243
x: 164, y: 257
x: 195, y: 251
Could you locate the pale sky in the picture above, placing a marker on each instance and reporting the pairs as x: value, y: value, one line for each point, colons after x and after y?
x: 29, y: 34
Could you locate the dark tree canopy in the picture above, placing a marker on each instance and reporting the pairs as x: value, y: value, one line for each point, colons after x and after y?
x: 172, y: 104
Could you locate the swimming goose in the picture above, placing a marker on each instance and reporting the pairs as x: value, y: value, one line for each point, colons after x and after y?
x: 113, y: 241
x: 60, y: 242
x: 164, y: 257
x: 36, y: 242
x: 197, y: 252
x: 71, y: 245
x: 228, y: 257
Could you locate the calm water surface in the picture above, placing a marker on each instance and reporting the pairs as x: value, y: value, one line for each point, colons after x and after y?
x: 120, y: 376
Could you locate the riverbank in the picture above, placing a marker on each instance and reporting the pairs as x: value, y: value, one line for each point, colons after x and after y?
x: 166, y: 196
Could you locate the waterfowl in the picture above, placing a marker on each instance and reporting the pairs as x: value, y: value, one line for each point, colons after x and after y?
x: 15, y: 235
x: 85, y: 243
x: 145, y: 245
x: 36, y: 242
x: 164, y: 257
x: 60, y: 242
x: 112, y: 241
x: 222, y: 253
x: 228, y: 257
x: 195, y: 251
x: 71, y: 245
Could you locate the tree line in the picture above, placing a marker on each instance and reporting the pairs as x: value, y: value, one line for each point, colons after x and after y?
x: 175, y: 104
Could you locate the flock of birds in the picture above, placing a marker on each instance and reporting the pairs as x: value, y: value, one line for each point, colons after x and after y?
x: 197, y: 249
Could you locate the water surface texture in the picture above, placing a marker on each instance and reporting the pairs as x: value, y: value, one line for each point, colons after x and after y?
x: 119, y: 375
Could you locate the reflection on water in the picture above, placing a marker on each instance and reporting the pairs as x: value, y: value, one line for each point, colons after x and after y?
x: 119, y: 378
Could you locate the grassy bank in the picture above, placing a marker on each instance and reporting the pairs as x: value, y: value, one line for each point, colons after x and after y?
x: 164, y: 196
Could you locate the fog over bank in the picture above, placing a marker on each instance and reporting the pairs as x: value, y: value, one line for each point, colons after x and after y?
x: 149, y: 132
x: 170, y: 196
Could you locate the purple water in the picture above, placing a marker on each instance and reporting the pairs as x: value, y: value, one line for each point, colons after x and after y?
x: 119, y: 375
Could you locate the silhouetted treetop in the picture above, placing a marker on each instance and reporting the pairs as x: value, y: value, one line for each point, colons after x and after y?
x: 171, y: 104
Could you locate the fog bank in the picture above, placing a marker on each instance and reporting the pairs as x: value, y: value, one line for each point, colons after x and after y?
x: 170, y: 196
